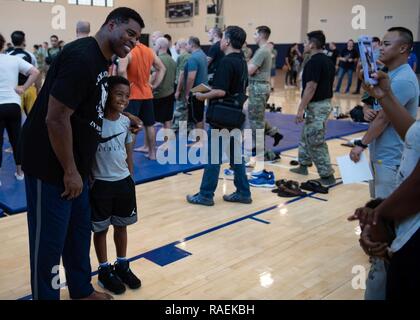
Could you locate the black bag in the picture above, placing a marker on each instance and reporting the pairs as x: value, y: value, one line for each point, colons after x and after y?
x: 226, y: 113
x: 357, y: 114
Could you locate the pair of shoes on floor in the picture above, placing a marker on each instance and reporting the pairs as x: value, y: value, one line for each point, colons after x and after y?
x: 320, y: 185
x: 114, y: 278
x: 262, y: 179
x: 288, y: 189
x: 235, y: 197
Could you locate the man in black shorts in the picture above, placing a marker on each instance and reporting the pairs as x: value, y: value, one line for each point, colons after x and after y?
x: 164, y: 96
x: 195, y: 73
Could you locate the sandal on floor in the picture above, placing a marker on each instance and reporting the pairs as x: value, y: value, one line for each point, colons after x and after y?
x: 314, y: 186
x: 288, y: 189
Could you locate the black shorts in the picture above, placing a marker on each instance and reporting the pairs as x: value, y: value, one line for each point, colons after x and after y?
x: 195, y: 110
x: 164, y: 108
x: 113, y: 203
x: 142, y: 109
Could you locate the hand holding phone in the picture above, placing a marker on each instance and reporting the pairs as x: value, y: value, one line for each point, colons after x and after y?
x: 368, y: 60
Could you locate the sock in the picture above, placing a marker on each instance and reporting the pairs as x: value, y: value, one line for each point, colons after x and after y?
x: 104, y: 265
x: 121, y: 260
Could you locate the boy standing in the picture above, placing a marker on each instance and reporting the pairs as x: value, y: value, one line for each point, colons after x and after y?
x: 113, y: 196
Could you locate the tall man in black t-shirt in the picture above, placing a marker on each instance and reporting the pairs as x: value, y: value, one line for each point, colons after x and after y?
x: 59, y: 142
x: 230, y: 79
x: 215, y: 54
x: 318, y: 80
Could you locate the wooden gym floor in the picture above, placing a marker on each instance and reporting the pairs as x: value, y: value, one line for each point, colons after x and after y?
x: 272, y: 249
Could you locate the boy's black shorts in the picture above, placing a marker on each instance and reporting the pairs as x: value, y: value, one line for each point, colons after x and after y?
x: 113, y: 203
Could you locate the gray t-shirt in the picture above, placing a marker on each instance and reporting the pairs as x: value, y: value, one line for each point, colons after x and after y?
x: 262, y: 59
x: 388, y: 147
x: 111, y: 157
x: 410, y: 158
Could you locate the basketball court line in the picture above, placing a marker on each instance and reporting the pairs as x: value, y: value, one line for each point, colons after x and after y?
x: 160, y: 255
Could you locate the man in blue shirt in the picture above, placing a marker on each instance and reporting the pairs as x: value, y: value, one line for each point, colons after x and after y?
x: 385, y: 145
x: 195, y: 74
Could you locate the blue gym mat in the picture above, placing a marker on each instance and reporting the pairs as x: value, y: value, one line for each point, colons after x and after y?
x: 12, y: 192
x: 292, y: 132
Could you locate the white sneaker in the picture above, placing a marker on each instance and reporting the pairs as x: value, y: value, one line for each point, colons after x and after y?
x: 19, y: 177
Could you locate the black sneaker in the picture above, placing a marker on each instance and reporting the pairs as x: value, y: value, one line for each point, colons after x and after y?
x: 109, y: 281
x: 122, y: 270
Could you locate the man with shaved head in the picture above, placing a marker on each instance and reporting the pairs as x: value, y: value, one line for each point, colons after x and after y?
x: 155, y: 35
x: 82, y: 29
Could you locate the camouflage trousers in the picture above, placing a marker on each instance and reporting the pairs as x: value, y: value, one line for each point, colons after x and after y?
x: 180, y: 114
x: 259, y: 93
x: 312, y: 147
x: 269, y: 130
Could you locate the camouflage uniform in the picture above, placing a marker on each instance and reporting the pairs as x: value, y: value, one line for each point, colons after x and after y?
x: 259, y: 92
x: 180, y: 113
x: 269, y: 130
x: 312, y: 147
x: 181, y: 106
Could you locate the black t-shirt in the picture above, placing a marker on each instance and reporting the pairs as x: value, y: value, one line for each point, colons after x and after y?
x: 78, y: 79
x: 217, y: 55
x: 232, y: 74
x: 25, y: 56
x: 333, y: 55
x: 349, y: 54
x: 321, y: 70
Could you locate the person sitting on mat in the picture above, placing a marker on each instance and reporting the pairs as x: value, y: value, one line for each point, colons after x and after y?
x: 113, y: 194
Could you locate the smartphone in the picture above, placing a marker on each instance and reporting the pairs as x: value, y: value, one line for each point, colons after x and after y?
x: 368, y: 60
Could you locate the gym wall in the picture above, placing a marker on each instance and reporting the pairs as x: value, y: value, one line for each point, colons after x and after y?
x: 35, y: 18
x: 283, y: 17
x: 380, y: 16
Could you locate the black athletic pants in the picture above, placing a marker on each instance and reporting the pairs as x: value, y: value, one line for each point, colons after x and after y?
x: 10, y: 119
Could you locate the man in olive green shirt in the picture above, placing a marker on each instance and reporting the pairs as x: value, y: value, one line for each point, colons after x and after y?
x: 164, y: 94
x: 181, y: 108
x: 259, y: 69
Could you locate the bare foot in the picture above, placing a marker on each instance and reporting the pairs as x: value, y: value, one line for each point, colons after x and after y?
x: 143, y: 149
x: 99, y: 296
x: 152, y: 156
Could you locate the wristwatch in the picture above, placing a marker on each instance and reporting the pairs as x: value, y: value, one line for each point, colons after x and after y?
x: 359, y: 143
